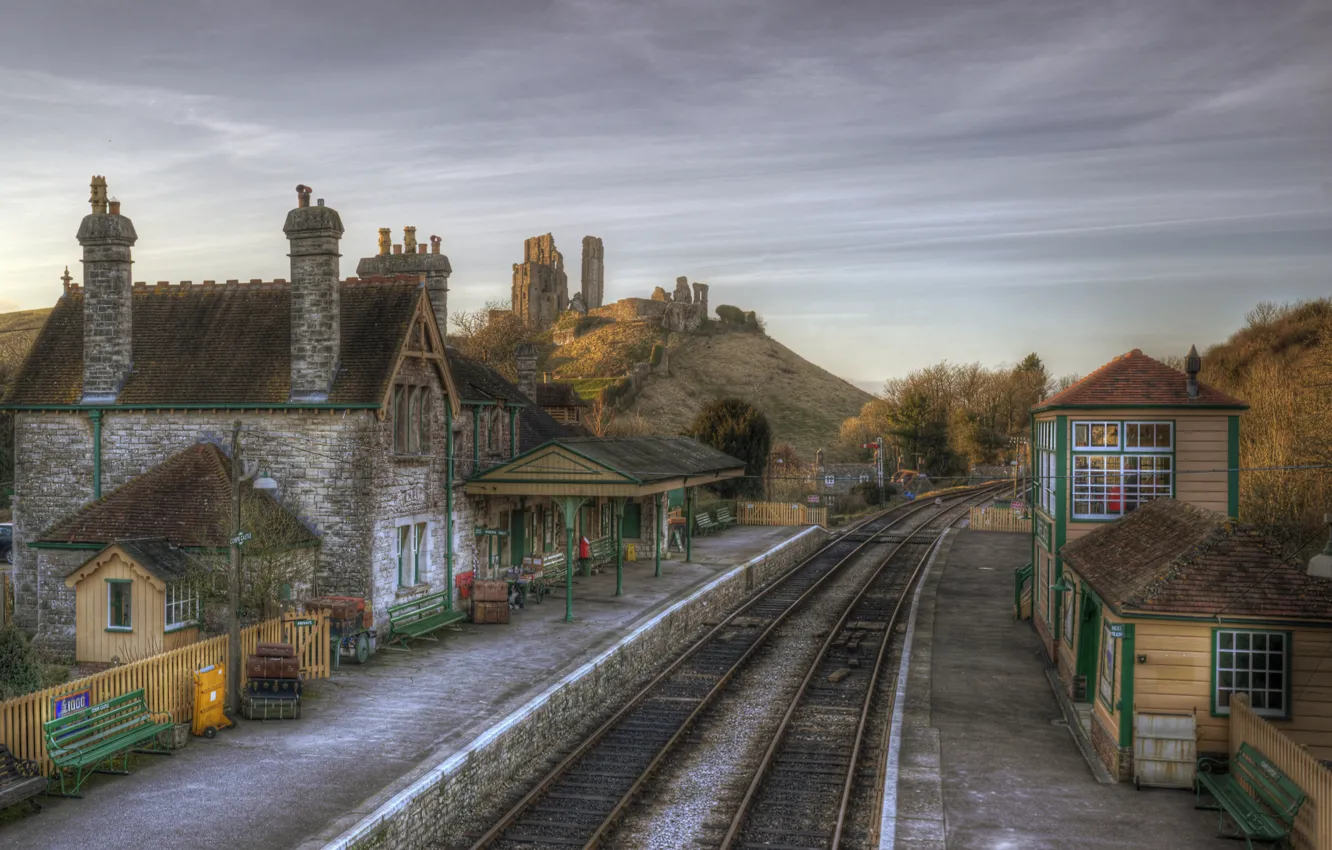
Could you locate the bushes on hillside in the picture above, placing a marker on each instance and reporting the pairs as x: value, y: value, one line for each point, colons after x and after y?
x: 740, y: 430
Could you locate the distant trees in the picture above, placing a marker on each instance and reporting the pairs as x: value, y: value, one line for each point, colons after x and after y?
x: 491, y: 334
x: 947, y: 416
x: 741, y: 430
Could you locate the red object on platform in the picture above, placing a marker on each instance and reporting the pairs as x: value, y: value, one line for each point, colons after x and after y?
x: 584, y: 548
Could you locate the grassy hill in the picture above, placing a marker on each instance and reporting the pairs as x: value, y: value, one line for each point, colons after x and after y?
x: 805, y: 404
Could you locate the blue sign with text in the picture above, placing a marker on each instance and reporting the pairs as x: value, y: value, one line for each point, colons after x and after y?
x: 70, y: 703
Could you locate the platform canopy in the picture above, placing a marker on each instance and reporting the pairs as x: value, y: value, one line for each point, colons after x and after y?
x: 614, y: 466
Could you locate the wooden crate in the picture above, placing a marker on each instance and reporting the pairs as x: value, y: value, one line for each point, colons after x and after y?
x: 491, y: 590
x: 490, y: 613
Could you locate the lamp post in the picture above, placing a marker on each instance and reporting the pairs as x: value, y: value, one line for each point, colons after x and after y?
x: 238, y: 538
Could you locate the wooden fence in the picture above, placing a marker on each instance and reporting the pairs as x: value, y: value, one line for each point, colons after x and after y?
x: 779, y: 513
x: 1313, y: 827
x: 167, y: 679
x: 998, y: 519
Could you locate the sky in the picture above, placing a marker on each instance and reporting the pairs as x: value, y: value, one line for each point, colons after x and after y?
x: 889, y: 184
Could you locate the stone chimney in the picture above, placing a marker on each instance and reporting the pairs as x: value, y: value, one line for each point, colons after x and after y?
x: 106, y: 238
x: 525, y: 357
x: 314, y: 233
x: 1192, y: 366
x: 435, y: 266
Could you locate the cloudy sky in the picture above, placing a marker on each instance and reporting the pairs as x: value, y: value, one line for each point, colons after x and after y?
x: 888, y: 183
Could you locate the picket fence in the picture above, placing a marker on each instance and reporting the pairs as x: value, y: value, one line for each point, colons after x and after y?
x: 779, y: 513
x: 998, y: 519
x: 1313, y: 825
x: 167, y: 679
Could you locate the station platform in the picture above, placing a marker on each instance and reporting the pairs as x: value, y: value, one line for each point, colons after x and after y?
x: 367, y: 730
x: 985, y: 759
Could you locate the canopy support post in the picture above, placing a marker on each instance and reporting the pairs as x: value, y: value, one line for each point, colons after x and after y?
x: 657, y: 517
x: 617, y: 510
x: 570, y: 506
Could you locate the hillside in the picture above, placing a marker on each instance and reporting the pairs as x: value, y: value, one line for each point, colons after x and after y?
x: 805, y: 404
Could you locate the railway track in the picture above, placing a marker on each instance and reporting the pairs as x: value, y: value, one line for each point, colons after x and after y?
x: 802, y: 789
x: 580, y: 800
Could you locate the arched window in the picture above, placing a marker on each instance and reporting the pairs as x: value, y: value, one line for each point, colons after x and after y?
x: 496, y: 430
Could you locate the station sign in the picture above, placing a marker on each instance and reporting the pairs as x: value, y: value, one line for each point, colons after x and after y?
x: 70, y: 703
x: 814, y: 499
x: 1116, y: 630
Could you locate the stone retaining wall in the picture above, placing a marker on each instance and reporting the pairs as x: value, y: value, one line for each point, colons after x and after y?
x: 434, y: 804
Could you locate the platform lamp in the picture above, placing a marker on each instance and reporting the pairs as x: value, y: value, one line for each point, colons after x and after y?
x: 1320, y: 565
x: 1062, y: 586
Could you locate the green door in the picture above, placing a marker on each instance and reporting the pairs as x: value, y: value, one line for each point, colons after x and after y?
x: 1089, y: 634
x: 517, y: 540
x: 632, y: 524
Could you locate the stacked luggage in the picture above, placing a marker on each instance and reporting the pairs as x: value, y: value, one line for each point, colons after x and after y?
x: 273, y: 691
x: 490, y: 601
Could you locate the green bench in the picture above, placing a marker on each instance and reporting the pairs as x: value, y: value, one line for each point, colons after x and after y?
x: 91, y: 740
x: 723, y: 517
x: 417, y: 618
x: 602, y: 550
x: 1261, y: 799
x: 552, y: 568
x: 704, y: 524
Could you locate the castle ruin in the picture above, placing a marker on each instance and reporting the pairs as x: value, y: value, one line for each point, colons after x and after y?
x: 594, y: 272
x: 540, y: 286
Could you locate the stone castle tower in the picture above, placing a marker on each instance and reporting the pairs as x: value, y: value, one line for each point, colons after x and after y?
x: 540, y: 286
x: 594, y: 272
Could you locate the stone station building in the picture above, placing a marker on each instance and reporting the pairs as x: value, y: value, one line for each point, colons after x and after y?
x: 343, y: 392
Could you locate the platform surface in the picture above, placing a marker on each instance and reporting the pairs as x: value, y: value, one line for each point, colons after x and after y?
x: 985, y: 759
x: 365, y: 731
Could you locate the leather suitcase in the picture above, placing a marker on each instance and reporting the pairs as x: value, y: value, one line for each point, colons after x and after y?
x: 258, y: 667
x: 274, y: 687
x: 269, y: 707
x: 275, y: 650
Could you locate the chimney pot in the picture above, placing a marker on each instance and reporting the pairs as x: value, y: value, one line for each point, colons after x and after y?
x: 303, y: 196
x: 385, y: 240
x: 434, y: 244
x: 397, y: 249
x: 409, y: 240
x: 115, y: 207
x: 320, y: 202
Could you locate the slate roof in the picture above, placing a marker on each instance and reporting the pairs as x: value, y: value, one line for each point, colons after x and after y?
x: 158, y: 557
x: 558, y: 395
x: 1171, y: 557
x: 1136, y: 379
x: 477, y: 381
x: 228, y: 344
x: 648, y: 459
x: 185, y: 500
x: 536, y: 426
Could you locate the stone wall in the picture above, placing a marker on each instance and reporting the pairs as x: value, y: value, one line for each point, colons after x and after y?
x: 336, y: 471
x: 436, y: 803
x: 1118, y: 760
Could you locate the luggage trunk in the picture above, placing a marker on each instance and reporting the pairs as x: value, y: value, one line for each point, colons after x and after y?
x: 258, y: 667
x: 490, y: 590
x: 490, y: 613
x: 275, y: 650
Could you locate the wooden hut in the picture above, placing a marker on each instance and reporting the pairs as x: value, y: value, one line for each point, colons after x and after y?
x: 1174, y: 609
x: 133, y: 599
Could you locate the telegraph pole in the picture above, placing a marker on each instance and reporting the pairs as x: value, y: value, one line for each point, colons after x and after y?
x: 233, y: 625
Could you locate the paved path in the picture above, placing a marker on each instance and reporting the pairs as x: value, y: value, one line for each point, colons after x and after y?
x: 983, y: 763
x: 367, y: 731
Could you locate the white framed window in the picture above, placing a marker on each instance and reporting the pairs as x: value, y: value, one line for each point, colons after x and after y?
x: 1253, y: 663
x: 1049, y: 482
x: 182, y: 605
x: 1149, y: 436
x: 1045, y: 435
x: 412, y: 550
x: 1107, y: 679
x: 1108, y: 486
x: 119, y: 592
x: 1090, y: 436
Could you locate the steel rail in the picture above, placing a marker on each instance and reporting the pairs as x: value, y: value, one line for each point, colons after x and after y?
x: 512, y: 816
x: 760, y: 773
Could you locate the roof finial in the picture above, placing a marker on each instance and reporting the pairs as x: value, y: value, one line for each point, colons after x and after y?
x: 67, y: 280
x: 1192, y: 366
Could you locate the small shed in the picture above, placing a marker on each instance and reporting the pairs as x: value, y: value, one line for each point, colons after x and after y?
x: 133, y: 599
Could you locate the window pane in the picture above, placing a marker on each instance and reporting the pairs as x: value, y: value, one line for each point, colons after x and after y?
x: 425, y: 409
x: 1258, y: 699
x: 1098, y: 434
x: 404, y: 553
x: 1227, y: 640
x: 413, y: 417
x: 1163, y: 440
x: 1080, y: 438
x: 1131, y: 434
x: 1112, y: 435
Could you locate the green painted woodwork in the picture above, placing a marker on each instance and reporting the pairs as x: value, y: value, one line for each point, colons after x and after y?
x: 632, y: 521
x: 417, y: 618
x: 517, y: 537
x: 656, y: 533
x: 1261, y: 800
x: 448, y: 501
x: 74, y: 408
x: 569, y: 506
x: 96, y: 417
x: 1232, y: 465
x: 1094, y: 407
x: 1089, y: 633
x: 1061, y: 513
x: 1128, y: 661
x: 91, y: 740
x: 690, y: 498
x: 618, y: 524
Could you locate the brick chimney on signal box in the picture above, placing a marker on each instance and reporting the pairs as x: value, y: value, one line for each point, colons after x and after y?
x: 106, y: 238
x: 316, y: 321
x: 525, y: 357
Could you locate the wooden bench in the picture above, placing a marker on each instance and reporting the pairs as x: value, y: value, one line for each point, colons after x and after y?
x: 704, y: 524
x: 552, y: 568
x: 20, y: 779
x: 723, y: 517
x: 602, y: 550
x: 91, y: 740
x: 1262, y: 801
x: 417, y: 618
